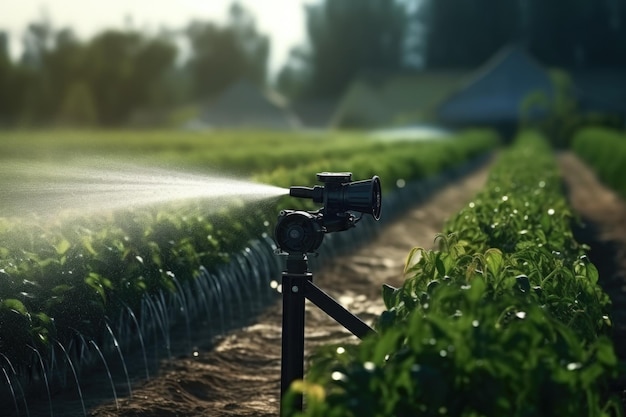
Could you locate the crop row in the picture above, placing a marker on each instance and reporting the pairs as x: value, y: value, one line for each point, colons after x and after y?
x: 506, y: 318
x: 63, y: 279
x: 242, y: 153
x: 605, y: 151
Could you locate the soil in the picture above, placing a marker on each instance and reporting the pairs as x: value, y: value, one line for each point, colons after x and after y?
x: 239, y: 373
x: 602, y: 227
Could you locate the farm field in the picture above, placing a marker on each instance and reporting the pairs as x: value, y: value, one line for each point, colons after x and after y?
x: 239, y: 375
x: 300, y: 208
x: 58, y: 289
x: 189, y: 384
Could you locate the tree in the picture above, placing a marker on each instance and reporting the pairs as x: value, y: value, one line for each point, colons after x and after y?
x: 579, y: 34
x: 224, y: 54
x: 347, y: 37
x: 293, y: 77
x: 60, y: 79
x: 6, y: 72
x: 125, y: 70
x: 585, y: 34
x: 464, y: 34
x: 78, y: 106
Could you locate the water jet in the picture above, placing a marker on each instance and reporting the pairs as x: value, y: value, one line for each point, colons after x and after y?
x: 95, y: 185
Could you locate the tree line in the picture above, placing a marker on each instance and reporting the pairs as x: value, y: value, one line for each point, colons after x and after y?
x: 350, y: 36
x: 118, y: 73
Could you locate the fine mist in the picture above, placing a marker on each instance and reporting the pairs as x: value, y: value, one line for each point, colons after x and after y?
x: 50, y: 188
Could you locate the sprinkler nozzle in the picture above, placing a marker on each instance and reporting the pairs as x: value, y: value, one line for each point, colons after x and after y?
x: 339, y: 194
x: 316, y: 193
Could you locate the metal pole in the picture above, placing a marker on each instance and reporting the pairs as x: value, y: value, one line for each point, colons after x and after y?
x: 297, y: 285
x: 331, y: 307
x: 292, y: 361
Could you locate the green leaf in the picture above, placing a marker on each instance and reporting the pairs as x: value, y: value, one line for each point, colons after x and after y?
x: 477, y: 289
x: 15, y: 305
x: 414, y: 256
x: 494, y: 260
x: 95, y: 281
x: 389, y: 295
x: 592, y: 273
x: 605, y: 352
x: 63, y: 246
x: 44, y: 318
x: 60, y: 289
x: 441, y: 269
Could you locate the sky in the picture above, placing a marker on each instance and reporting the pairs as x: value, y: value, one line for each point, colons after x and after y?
x: 282, y: 20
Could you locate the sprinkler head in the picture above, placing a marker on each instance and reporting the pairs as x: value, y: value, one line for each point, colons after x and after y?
x: 339, y: 194
x: 303, y: 231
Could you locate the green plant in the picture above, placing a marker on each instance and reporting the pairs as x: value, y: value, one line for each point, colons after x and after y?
x: 506, y: 318
x: 605, y: 151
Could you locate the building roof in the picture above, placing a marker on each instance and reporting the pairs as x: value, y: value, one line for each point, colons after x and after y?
x: 495, y: 92
x: 376, y: 99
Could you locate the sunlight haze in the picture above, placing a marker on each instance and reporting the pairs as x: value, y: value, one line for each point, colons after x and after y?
x: 282, y: 20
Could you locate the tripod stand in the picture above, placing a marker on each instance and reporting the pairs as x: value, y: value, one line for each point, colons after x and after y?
x: 297, y: 285
x: 300, y: 232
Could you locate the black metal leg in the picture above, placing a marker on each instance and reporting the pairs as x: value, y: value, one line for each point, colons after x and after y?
x: 296, y: 286
x: 292, y: 361
x: 335, y: 310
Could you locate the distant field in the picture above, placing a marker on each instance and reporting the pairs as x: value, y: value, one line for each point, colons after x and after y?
x: 245, y: 152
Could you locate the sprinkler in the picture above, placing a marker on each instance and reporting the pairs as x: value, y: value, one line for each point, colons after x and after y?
x: 299, y: 233
x: 303, y: 231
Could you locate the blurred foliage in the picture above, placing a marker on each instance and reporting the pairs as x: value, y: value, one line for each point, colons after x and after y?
x: 465, y: 34
x: 557, y: 116
x: 118, y: 76
x: 585, y: 34
x: 605, y: 151
x: 223, y: 55
x: 346, y: 37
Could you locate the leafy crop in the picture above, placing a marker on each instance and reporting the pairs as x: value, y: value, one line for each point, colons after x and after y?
x: 605, y: 151
x: 506, y: 318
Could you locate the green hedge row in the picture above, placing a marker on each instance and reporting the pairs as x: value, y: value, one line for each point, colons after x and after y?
x: 59, y: 278
x: 605, y: 151
x: 506, y: 318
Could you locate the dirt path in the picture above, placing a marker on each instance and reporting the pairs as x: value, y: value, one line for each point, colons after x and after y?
x: 241, y: 375
x: 604, y: 229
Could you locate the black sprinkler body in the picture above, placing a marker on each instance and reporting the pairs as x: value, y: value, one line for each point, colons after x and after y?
x: 303, y: 231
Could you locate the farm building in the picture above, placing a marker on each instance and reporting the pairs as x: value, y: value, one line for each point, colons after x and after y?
x: 494, y: 94
x: 375, y: 99
x: 244, y: 105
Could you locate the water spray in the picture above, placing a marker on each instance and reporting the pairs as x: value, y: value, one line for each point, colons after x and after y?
x: 299, y: 233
